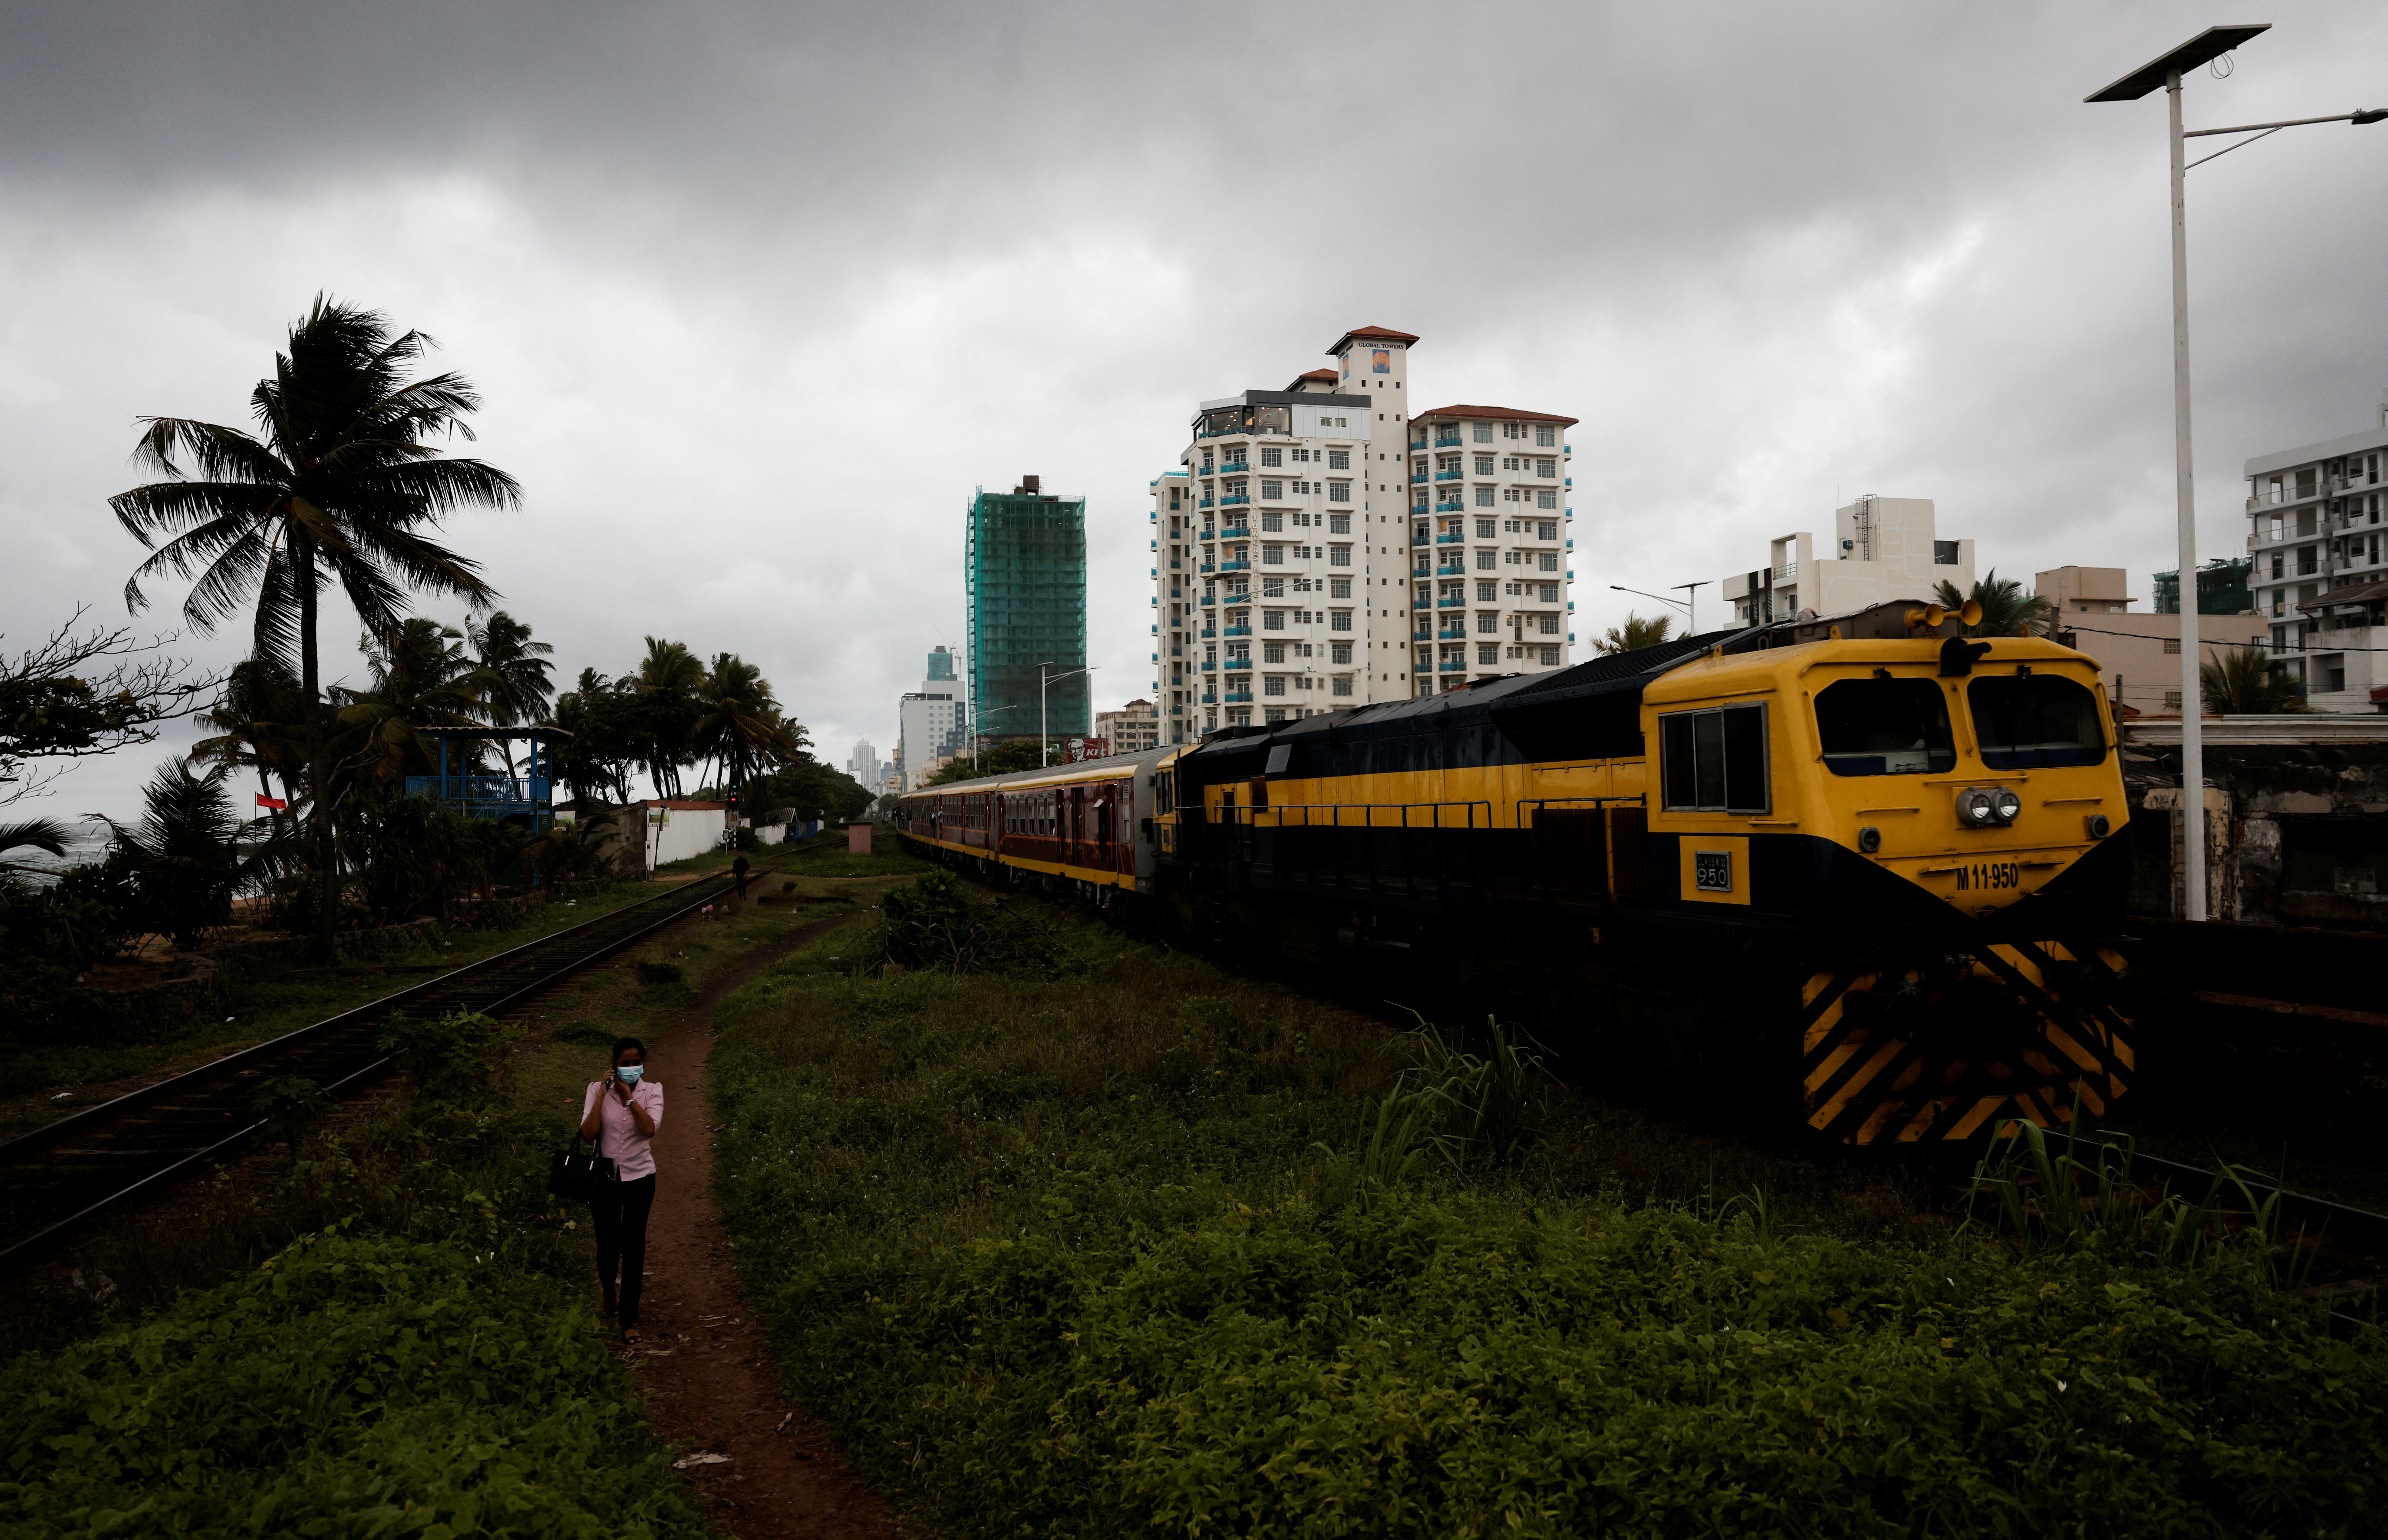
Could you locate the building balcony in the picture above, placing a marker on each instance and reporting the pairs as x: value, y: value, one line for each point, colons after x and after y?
x: 1228, y: 467
x: 1207, y: 503
x: 1450, y: 603
x: 1237, y: 565
x: 1233, y: 498
x: 1452, y: 569
x: 1454, y: 632
x: 1418, y: 474
x: 1449, y: 476
x: 1453, y: 506
x: 1207, y: 667
x: 487, y: 796
x: 1455, y: 538
x: 1209, y: 632
x: 1236, y: 532
x: 1210, y: 534
x: 1235, y: 696
x: 1208, y: 599
x: 1238, y: 631
x: 1451, y: 443
x: 1210, y: 699
x: 1448, y: 664
x: 1209, y: 566
x: 1424, y: 633
x: 1419, y: 540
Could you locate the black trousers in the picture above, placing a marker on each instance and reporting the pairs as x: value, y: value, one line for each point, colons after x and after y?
x: 620, y: 1213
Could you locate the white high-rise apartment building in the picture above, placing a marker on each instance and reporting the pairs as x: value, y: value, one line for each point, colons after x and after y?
x: 863, y: 763
x: 1285, y: 546
x: 930, y: 722
x: 2318, y: 544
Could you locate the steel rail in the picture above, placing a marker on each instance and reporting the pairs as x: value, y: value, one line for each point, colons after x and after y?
x: 13, y: 1152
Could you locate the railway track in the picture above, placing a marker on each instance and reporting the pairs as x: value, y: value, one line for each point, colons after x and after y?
x: 60, y: 1175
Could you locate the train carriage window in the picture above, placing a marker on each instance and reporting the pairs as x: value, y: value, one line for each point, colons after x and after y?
x: 2033, y: 721
x: 1884, y: 727
x: 1714, y: 761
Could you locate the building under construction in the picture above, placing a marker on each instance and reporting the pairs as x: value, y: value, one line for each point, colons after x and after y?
x: 1025, y: 566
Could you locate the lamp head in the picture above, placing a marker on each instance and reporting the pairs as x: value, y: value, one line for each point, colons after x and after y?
x: 2370, y: 115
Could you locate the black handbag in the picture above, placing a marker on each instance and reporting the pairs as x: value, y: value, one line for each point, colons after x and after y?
x: 579, y: 1173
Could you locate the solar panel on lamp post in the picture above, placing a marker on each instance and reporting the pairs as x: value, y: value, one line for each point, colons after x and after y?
x: 2165, y: 71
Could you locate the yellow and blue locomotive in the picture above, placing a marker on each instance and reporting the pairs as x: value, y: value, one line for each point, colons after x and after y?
x: 1862, y: 867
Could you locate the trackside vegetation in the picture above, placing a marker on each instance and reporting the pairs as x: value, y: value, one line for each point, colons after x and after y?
x: 1110, y: 1241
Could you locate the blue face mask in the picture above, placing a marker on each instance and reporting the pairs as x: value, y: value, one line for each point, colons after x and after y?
x: 630, y: 1072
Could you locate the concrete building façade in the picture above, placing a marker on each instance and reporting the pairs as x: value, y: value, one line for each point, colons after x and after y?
x: 1885, y: 548
x: 2320, y: 551
x: 931, y: 723
x: 1324, y: 546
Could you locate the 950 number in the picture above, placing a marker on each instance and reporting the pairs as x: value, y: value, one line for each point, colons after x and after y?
x: 1990, y: 874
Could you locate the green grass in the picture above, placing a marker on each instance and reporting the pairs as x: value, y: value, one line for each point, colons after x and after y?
x: 1054, y: 1256
x: 390, y: 1332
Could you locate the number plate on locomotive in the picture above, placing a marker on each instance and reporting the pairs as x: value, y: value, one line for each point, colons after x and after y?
x: 1712, y: 871
x: 1988, y: 874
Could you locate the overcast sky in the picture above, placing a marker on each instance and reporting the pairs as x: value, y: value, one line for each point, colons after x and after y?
x: 756, y: 294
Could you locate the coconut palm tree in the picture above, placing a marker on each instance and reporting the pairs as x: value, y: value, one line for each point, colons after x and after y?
x: 2243, y: 682
x: 32, y: 833
x: 339, y: 489
x: 2007, y: 611
x: 742, y: 729
x: 511, y: 673
x: 670, y: 681
x: 422, y: 676
x: 1635, y: 633
x: 258, y: 724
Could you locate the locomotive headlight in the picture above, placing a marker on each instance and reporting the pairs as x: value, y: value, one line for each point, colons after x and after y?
x: 1869, y: 839
x: 1988, y: 806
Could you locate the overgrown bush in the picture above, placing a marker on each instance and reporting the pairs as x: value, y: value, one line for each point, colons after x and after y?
x: 49, y: 938
x: 350, y: 1386
x: 462, y: 1054
x: 1046, y: 1253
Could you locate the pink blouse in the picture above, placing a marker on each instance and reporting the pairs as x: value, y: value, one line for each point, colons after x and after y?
x: 618, y: 1132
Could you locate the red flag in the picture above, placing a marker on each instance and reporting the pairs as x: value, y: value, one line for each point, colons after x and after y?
x: 276, y: 803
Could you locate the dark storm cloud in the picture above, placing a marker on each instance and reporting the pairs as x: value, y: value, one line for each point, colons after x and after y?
x: 758, y: 293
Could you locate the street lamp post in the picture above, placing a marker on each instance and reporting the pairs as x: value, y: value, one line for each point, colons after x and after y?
x: 1043, y: 738
x: 1691, y: 611
x: 1663, y: 599
x: 2166, y: 72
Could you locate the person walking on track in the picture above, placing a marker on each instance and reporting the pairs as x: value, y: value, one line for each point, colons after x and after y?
x: 622, y: 1113
x: 738, y: 868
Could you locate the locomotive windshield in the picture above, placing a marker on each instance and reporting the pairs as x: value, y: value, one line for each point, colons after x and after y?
x: 2037, y: 721
x: 1884, y: 727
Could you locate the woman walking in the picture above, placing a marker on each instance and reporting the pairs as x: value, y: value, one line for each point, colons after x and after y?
x: 622, y: 1113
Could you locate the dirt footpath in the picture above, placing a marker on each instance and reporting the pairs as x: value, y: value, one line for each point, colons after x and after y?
x: 762, y: 1468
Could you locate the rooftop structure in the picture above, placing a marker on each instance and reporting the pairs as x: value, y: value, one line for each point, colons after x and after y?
x: 525, y: 799
x: 1884, y: 549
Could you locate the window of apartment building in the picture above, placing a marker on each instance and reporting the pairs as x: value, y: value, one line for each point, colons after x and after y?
x: 1338, y: 491
x: 1546, y: 467
x: 1270, y: 455
x: 1270, y: 492
x: 1339, y: 556
x: 1547, y: 435
x: 1273, y: 556
x: 1549, y: 656
x: 1548, y: 531
x: 1272, y: 651
x: 1485, y: 560
x: 1425, y: 594
x: 1272, y: 620
x: 1338, y: 523
x: 1484, y: 497
x: 1483, y: 433
x: 1547, y: 497
x: 1550, y: 593
x: 1341, y: 653
x: 1302, y: 457
x: 2307, y: 559
x: 1549, y: 559
x: 1550, y: 625
x: 1483, y: 465
x: 1341, y: 621
x: 2280, y: 559
x: 1485, y: 592
x: 1272, y: 524
x: 1487, y: 621
x: 1173, y: 496
x: 1273, y: 685
x: 1343, y: 682
x: 1484, y: 528
x: 1339, y: 459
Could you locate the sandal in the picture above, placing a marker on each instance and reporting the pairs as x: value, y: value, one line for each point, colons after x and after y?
x: 631, y: 1334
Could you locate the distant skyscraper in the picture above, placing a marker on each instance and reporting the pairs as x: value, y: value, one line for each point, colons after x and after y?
x: 930, y: 722
x: 1026, y: 568
x: 863, y: 763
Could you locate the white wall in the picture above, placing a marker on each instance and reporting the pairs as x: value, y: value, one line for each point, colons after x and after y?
x: 687, y: 831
